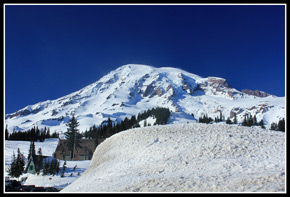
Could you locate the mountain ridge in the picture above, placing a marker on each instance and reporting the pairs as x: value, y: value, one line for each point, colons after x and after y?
x: 133, y: 88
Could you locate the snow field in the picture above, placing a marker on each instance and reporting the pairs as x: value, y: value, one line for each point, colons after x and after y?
x: 187, y: 158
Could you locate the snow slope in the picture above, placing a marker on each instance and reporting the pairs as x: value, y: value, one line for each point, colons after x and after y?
x: 187, y: 158
x: 133, y: 88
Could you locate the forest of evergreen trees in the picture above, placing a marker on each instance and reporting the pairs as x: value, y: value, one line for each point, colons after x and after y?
x: 248, y: 121
x: 108, y: 128
x: 33, y: 134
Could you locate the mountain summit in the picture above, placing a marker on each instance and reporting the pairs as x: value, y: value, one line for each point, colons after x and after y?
x: 134, y: 88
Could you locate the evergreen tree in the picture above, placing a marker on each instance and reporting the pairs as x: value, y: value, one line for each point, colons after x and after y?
x: 126, y: 123
x: 145, y: 123
x: 63, y: 169
x: 250, y: 120
x: 274, y: 126
x: 245, y: 121
x: 20, y: 162
x: 48, y: 133
x: 31, y: 149
x: 39, y: 161
x: 45, y: 169
x: 12, y: 168
x: 261, y: 123
x: 17, y: 165
x: 53, y: 167
x: 281, y: 125
x: 255, y: 122
x: 228, y: 121
x: 109, y: 128
x: 205, y: 119
x: 6, y: 133
x: 72, y: 136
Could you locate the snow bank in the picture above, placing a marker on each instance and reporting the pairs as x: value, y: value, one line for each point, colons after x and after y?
x: 187, y: 158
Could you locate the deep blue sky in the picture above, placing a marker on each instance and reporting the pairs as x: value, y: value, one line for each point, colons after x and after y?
x: 54, y: 50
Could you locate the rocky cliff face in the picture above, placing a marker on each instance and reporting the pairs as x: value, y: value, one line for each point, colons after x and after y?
x: 257, y: 93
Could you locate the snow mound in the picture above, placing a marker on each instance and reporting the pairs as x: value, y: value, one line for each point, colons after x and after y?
x: 187, y: 158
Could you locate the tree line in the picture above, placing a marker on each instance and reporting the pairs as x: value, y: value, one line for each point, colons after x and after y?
x: 248, y: 121
x: 108, y: 128
x: 33, y: 134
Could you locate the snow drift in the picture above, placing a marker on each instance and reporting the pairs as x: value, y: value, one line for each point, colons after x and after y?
x: 187, y: 158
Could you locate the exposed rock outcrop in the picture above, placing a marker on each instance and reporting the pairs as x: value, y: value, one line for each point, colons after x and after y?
x: 257, y: 93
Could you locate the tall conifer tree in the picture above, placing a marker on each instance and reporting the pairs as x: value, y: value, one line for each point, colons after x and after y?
x: 73, y: 136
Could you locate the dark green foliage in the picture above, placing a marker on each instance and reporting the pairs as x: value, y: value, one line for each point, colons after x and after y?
x: 161, y: 114
x: 274, y: 126
x: 17, y: 165
x: 108, y: 128
x: 219, y: 118
x: 73, y: 136
x: 6, y: 133
x: 278, y: 127
x: 63, y: 169
x: 31, y: 149
x: 249, y: 121
x: 261, y: 123
x: 281, y: 125
x: 39, y: 161
x: 228, y: 121
x: 205, y: 119
x: 33, y: 134
x: 51, y: 167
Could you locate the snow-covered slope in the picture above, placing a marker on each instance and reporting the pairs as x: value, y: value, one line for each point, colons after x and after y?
x: 187, y: 158
x: 132, y: 88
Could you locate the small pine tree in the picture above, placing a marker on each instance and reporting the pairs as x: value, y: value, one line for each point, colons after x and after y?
x: 63, y: 169
x: 255, y: 123
x: 12, y: 169
x: 228, y: 121
x: 281, y: 125
x: 245, y: 121
x: 261, y: 123
x: 31, y: 149
x: 274, y: 126
x: 39, y: 161
x: 145, y: 123
x: 6, y: 133
x: 250, y: 120
x: 45, y: 170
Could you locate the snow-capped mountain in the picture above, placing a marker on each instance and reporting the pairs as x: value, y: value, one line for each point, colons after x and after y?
x: 132, y: 88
